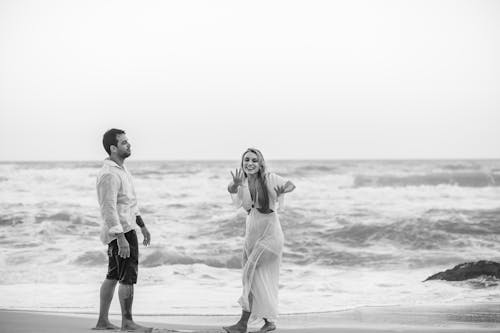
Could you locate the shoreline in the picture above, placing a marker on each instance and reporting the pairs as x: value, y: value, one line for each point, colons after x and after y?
x: 481, y: 317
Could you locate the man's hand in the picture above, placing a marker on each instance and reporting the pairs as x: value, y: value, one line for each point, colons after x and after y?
x: 147, y: 236
x: 123, y: 246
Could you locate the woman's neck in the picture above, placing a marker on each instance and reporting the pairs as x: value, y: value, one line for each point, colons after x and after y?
x: 252, y: 177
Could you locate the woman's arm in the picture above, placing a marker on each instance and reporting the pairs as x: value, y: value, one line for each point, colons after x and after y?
x: 232, y: 188
x: 286, y: 188
x: 289, y: 187
x: 237, y: 181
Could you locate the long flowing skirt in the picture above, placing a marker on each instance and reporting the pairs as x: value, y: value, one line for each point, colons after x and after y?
x: 261, y: 265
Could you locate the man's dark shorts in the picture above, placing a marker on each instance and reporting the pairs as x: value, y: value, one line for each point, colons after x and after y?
x: 124, y: 270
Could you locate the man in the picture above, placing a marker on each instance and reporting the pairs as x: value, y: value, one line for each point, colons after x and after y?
x: 119, y: 210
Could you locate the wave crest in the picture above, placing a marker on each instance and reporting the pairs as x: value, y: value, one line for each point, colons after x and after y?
x: 466, y: 179
x: 165, y: 257
x: 92, y: 258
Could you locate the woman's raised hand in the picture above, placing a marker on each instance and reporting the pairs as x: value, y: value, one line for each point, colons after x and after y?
x: 280, y: 190
x: 237, y: 177
x: 288, y: 187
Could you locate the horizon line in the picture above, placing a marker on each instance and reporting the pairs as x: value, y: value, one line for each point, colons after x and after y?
x: 274, y: 159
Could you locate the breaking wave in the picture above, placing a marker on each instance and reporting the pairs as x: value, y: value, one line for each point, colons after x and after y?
x: 92, y: 258
x: 165, y: 257
x: 466, y: 179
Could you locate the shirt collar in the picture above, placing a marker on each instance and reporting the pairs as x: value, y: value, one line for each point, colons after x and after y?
x: 110, y: 162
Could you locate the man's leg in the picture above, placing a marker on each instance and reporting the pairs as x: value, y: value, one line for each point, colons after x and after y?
x: 126, y: 295
x: 106, y: 296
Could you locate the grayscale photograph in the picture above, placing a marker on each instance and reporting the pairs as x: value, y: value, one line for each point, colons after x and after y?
x: 235, y: 167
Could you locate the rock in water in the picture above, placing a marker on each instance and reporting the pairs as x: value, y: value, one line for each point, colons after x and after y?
x: 468, y: 270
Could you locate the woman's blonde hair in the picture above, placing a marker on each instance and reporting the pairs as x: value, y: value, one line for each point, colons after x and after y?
x: 262, y: 192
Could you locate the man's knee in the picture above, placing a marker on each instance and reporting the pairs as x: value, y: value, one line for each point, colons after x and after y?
x: 111, y: 283
x: 126, y: 290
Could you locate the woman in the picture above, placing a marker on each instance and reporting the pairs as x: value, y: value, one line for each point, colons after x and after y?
x: 257, y: 191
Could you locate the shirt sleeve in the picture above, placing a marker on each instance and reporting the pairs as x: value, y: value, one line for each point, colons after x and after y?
x: 275, y: 180
x: 237, y: 197
x: 107, y: 190
x: 135, y: 205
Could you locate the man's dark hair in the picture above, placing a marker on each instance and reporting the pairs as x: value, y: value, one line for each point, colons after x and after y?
x: 109, y: 139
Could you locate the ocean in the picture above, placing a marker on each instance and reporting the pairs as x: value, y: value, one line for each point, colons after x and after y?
x: 357, y: 233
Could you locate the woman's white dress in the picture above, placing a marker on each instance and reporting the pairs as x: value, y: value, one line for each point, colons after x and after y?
x: 262, y: 251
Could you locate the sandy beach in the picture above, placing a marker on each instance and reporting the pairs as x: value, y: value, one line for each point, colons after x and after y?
x: 450, y: 318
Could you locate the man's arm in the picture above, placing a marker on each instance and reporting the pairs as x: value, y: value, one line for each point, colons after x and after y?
x: 123, y: 246
x: 107, y: 189
x: 144, y: 230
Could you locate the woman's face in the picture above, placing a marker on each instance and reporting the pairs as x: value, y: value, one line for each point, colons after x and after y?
x: 251, y: 163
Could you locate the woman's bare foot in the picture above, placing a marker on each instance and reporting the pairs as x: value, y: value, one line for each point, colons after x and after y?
x: 236, y: 328
x: 133, y: 327
x: 268, y: 327
x: 105, y: 325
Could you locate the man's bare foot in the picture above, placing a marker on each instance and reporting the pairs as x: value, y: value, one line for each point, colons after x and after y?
x: 130, y: 326
x: 105, y: 325
x: 237, y: 328
x: 268, y: 327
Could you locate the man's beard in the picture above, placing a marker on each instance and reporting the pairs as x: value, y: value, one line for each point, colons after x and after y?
x: 125, y: 154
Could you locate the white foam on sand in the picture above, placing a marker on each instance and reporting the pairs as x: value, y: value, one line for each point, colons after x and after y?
x: 203, y: 290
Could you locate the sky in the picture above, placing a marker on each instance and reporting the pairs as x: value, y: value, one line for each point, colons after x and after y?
x: 208, y: 79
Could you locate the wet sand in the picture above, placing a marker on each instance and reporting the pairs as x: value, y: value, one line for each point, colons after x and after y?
x: 449, y: 318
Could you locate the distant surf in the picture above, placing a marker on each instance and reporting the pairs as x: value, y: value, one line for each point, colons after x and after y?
x: 358, y: 233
